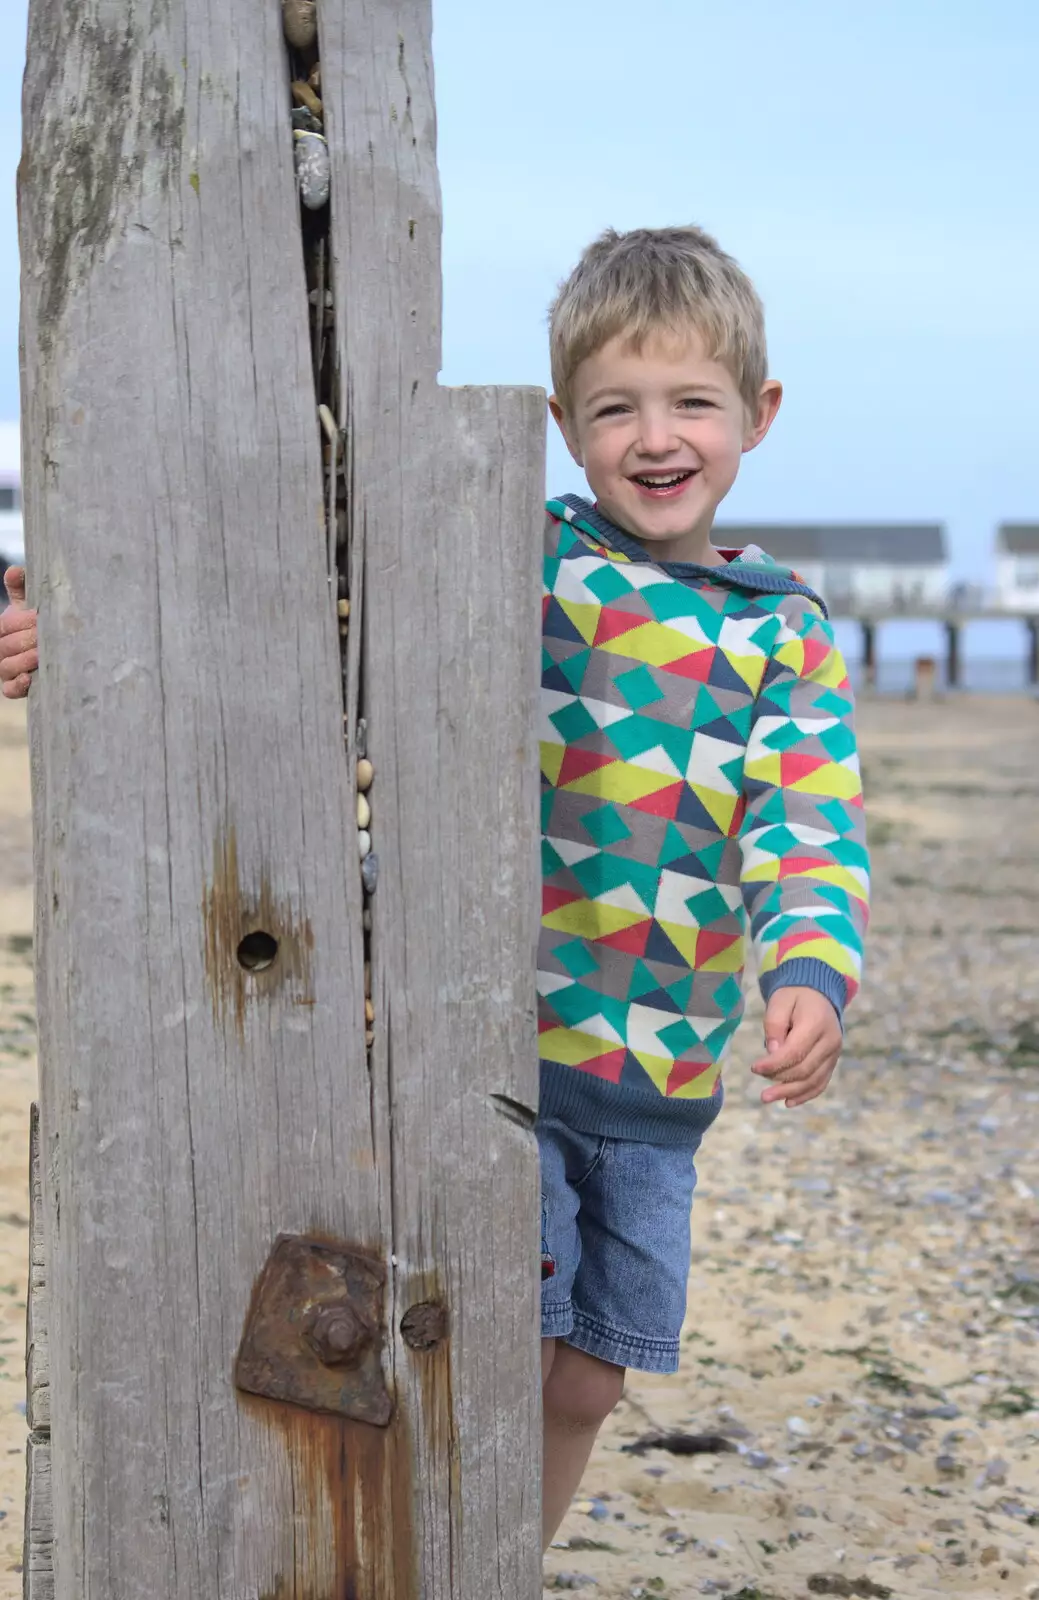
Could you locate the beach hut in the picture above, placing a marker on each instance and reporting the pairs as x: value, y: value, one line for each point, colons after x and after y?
x: 857, y: 567
x: 1017, y: 566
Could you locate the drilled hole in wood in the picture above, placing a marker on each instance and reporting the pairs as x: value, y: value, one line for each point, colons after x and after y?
x: 424, y: 1326
x: 257, y: 951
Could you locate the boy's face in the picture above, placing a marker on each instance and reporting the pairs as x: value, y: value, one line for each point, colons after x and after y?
x: 660, y: 432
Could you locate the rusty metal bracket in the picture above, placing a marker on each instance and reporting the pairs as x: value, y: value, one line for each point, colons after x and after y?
x: 314, y: 1332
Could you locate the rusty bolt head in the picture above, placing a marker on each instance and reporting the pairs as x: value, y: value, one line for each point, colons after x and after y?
x: 339, y: 1335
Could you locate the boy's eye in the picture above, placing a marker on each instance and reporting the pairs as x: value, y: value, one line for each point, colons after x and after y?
x: 618, y: 408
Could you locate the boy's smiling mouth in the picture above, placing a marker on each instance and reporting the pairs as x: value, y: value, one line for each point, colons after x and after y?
x: 661, y: 485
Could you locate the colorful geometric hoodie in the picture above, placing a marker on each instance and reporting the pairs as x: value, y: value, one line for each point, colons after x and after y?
x: 699, y: 771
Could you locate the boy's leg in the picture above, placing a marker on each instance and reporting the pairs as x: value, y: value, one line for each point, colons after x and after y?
x: 615, y: 1217
x: 575, y: 1396
x: 578, y: 1393
x: 615, y: 1253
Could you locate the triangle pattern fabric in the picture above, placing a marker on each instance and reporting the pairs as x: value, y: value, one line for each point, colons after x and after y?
x: 699, y: 785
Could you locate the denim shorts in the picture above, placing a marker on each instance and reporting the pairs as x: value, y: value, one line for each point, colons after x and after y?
x: 615, y: 1241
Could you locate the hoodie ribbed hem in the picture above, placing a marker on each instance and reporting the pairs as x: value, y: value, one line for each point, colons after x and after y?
x: 614, y: 1111
x: 803, y: 972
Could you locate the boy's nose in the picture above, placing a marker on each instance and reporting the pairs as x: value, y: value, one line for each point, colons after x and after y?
x: 656, y: 436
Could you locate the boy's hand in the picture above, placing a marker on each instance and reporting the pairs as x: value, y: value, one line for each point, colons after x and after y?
x: 803, y: 1041
x: 19, y: 657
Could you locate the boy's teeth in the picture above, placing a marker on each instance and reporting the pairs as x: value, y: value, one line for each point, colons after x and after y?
x: 662, y: 482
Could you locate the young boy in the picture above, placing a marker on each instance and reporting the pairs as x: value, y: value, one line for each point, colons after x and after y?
x: 699, y: 771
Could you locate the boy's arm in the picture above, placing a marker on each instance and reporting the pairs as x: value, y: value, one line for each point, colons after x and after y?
x: 805, y: 866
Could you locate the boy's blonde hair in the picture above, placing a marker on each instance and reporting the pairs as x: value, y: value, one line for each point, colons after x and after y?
x: 658, y: 280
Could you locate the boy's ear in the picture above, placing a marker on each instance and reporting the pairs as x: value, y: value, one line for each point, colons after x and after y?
x: 768, y: 404
x: 566, y: 428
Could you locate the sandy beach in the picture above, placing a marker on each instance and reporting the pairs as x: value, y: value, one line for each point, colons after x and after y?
x: 17, y: 1088
x: 862, y: 1342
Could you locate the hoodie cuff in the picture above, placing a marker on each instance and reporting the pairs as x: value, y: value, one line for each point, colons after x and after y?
x: 803, y: 972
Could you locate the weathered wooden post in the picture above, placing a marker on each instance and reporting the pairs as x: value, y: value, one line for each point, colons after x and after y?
x: 288, y: 1179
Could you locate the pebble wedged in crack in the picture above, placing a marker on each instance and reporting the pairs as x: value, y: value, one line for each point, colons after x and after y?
x: 313, y: 169
x: 299, y: 19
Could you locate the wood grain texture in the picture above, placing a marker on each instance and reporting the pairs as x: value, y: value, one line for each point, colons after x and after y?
x: 445, y: 506
x: 190, y: 786
x: 37, y: 1346
x: 38, y: 1551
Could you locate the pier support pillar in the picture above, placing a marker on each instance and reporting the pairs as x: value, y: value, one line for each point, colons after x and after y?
x: 1032, y: 624
x: 869, y: 653
x: 952, y: 655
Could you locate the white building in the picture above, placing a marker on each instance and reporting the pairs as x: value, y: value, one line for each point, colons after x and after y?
x: 1017, y: 566
x: 12, y: 542
x: 857, y: 566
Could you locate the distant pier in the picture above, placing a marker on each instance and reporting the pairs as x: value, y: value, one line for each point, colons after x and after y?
x: 953, y: 618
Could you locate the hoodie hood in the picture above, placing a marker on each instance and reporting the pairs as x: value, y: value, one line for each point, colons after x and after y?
x: 752, y: 569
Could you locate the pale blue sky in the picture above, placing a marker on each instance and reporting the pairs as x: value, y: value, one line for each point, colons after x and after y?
x: 874, y: 169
